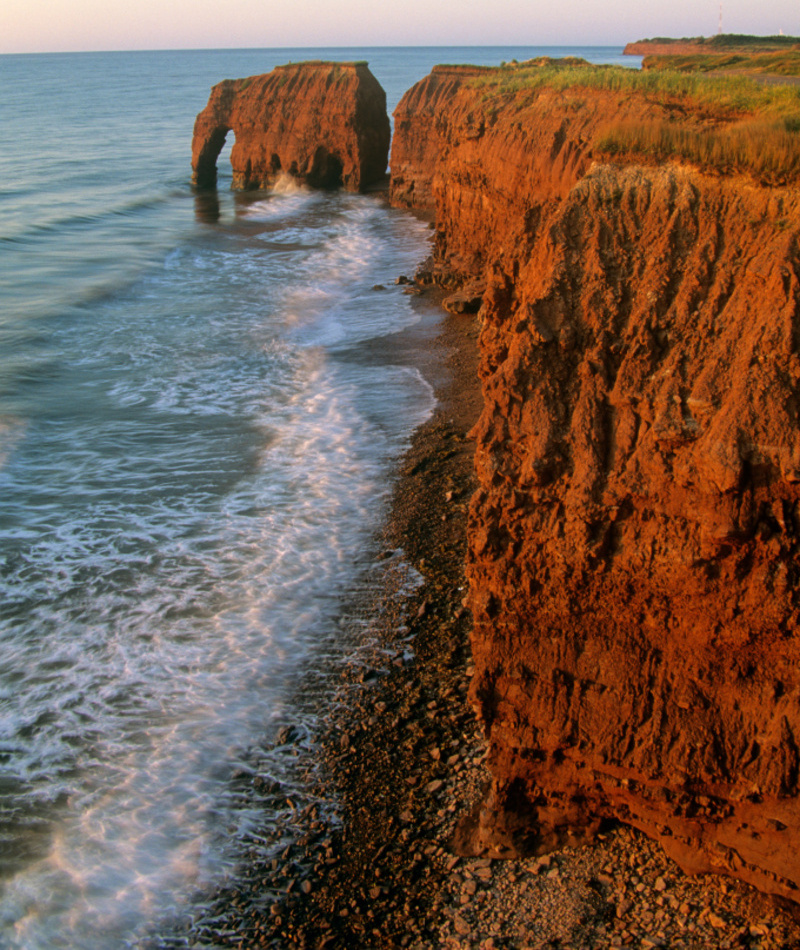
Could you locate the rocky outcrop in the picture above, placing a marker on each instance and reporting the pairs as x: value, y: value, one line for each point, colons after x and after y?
x: 634, y: 567
x: 323, y: 123
x: 666, y: 48
x: 417, y: 140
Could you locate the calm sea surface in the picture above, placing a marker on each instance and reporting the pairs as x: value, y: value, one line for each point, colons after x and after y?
x: 195, y: 453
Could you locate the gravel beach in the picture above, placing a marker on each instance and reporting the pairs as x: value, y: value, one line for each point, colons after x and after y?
x: 402, y: 759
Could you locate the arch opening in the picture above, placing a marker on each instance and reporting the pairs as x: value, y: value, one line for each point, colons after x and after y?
x: 205, y: 170
x: 326, y: 169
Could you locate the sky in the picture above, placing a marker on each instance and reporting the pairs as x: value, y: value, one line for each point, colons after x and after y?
x: 28, y: 26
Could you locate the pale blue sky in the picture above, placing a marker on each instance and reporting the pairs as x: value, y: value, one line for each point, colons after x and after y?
x: 56, y: 25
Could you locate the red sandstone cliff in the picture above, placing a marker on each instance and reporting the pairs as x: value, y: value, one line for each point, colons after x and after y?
x: 676, y: 48
x: 323, y: 123
x: 634, y: 565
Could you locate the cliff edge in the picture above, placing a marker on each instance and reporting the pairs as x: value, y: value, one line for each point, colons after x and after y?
x: 633, y: 545
x: 323, y: 123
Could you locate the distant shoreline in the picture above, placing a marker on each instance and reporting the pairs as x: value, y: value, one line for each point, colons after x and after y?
x: 721, y: 43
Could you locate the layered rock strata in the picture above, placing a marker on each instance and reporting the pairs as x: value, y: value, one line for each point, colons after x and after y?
x: 633, y: 545
x: 325, y: 124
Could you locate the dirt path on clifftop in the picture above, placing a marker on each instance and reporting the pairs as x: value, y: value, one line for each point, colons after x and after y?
x: 403, y: 755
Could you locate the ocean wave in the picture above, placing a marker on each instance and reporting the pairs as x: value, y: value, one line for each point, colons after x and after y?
x: 12, y: 430
x: 30, y: 233
x: 197, y: 486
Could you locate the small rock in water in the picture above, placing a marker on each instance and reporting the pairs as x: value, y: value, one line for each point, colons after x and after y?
x: 288, y: 734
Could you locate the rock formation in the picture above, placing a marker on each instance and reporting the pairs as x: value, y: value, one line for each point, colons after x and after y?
x: 323, y: 123
x: 667, y: 48
x: 634, y: 566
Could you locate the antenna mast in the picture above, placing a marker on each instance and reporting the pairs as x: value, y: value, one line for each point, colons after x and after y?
x: 719, y: 31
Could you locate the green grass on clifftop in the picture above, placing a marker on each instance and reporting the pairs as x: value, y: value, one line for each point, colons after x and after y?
x: 772, y: 64
x: 726, y: 123
x: 722, y: 94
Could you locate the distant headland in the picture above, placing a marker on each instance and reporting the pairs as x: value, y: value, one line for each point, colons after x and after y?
x: 721, y: 43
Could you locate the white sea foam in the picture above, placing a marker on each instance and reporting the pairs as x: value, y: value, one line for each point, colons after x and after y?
x: 289, y: 185
x: 287, y: 196
x: 179, y: 526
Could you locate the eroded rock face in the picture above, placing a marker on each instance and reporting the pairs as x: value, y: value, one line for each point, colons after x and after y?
x: 323, y: 123
x: 417, y: 142
x: 633, y: 560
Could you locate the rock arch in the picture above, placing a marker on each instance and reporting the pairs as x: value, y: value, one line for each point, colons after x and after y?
x: 324, y: 123
x: 205, y: 163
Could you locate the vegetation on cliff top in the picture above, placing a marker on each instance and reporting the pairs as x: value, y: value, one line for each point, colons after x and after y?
x: 725, y: 42
x: 726, y: 123
x: 765, y: 150
x: 726, y: 96
x: 771, y: 64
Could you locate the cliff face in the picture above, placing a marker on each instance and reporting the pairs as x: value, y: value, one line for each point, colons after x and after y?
x: 323, y: 123
x: 633, y: 560
x: 678, y: 48
x: 418, y: 139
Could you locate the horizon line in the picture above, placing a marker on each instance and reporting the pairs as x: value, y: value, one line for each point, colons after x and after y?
x: 213, y: 49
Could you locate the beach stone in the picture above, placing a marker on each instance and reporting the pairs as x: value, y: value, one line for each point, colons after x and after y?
x: 287, y: 734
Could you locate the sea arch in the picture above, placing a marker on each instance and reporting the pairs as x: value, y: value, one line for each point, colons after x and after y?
x: 323, y: 123
x: 204, y: 163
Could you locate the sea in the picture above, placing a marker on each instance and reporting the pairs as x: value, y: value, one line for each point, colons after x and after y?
x: 203, y: 403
